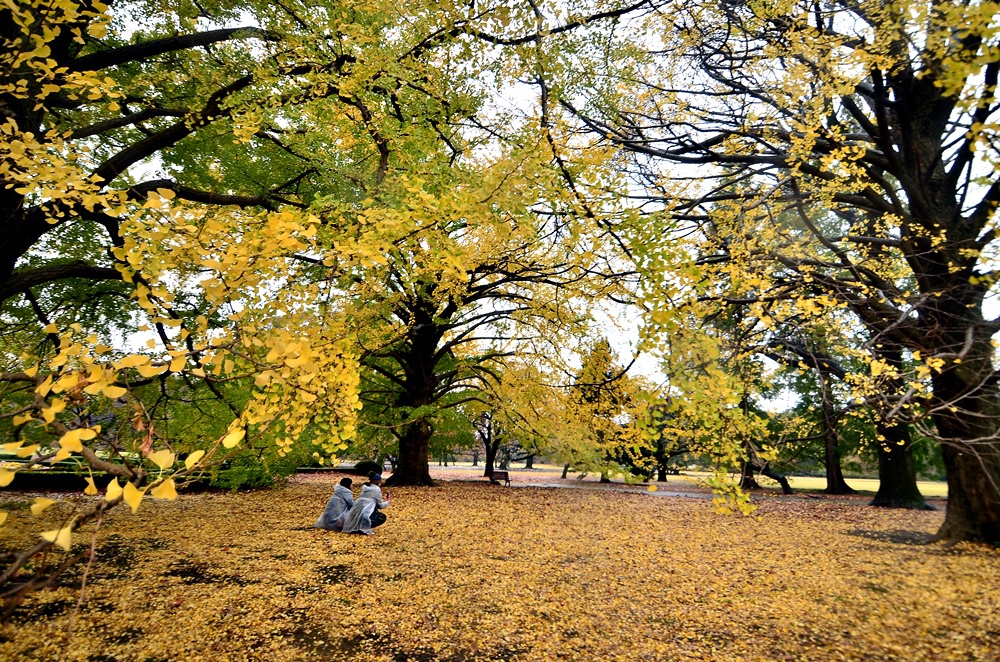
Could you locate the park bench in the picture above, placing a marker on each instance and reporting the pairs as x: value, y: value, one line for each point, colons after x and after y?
x: 499, y: 476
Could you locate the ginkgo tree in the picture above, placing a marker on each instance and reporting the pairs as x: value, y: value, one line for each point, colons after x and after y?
x: 490, y: 265
x: 236, y: 192
x: 881, y: 115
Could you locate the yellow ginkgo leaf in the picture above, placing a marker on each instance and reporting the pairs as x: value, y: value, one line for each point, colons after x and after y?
x: 164, y: 459
x: 49, y: 413
x: 233, y: 438
x: 177, y: 364
x: 165, y: 490
x: 27, y: 451
x: 61, y: 455
x: 91, y: 489
x: 114, y: 490
x: 72, y: 439
x: 71, y: 442
x: 44, y: 388
x: 652, y: 488
x: 62, y: 537
x: 40, y: 504
x: 6, y: 475
x: 21, y: 419
x: 113, y: 392
x: 3, y: 516
x: 133, y: 496
x: 132, y: 361
x: 151, y: 370
x: 193, y: 458
x: 13, y: 446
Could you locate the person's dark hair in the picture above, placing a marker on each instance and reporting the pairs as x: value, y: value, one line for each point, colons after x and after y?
x: 346, y: 482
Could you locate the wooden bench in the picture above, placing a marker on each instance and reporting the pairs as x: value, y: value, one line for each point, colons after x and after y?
x: 500, y: 476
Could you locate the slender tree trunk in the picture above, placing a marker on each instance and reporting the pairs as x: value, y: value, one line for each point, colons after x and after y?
x: 835, y: 483
x: 475, y: 457
x: 529, y: 462
x: 747, y: 480
x: 412, y: 467
x: 897, y: 472
x: 565, y: 470
x: 491, y: 457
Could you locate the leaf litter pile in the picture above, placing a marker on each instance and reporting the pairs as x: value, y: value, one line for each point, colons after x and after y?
x: 468, y: 571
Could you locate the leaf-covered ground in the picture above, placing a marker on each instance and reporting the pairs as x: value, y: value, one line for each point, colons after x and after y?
x: 469, y: 571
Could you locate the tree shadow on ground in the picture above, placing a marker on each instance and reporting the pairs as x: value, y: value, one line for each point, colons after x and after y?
x: 898, y: 536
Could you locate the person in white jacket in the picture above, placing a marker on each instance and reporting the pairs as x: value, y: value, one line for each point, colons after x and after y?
x: 337, y: 507
x: 366, y: 513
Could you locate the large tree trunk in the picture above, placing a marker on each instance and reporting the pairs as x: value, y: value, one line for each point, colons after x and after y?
x: 973, y: 511
x: 529, y: 462
x: 416, y: 357
x: 412, y: 467
x: 967, y: 418
x: 897, y: 472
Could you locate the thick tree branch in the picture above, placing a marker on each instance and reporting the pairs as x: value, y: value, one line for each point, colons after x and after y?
x: 23, y: 279
x: 146, y: 50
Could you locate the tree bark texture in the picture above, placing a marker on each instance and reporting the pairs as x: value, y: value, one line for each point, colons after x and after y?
x: 835, y: 483
x: 412, y: 467
x: 967, y: 417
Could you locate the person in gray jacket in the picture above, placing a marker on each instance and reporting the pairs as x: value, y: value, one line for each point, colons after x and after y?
x: 337, y: 507
x: 366, y: 513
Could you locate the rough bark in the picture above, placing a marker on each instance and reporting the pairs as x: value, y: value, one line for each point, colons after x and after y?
x: 412, y: 467
x: 897, y: 487
x: 835, y: 483
x: 490, y: 461
x: 747, y: 480
x: 416, y: 355
x: 968, y: 429
x: 897, y: 472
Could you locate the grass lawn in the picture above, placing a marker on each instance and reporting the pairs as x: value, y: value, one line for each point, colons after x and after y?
x: 468, y: 571
x: 930, y: 489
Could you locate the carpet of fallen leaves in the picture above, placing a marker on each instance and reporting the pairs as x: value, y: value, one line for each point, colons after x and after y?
x: 469, y: 571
